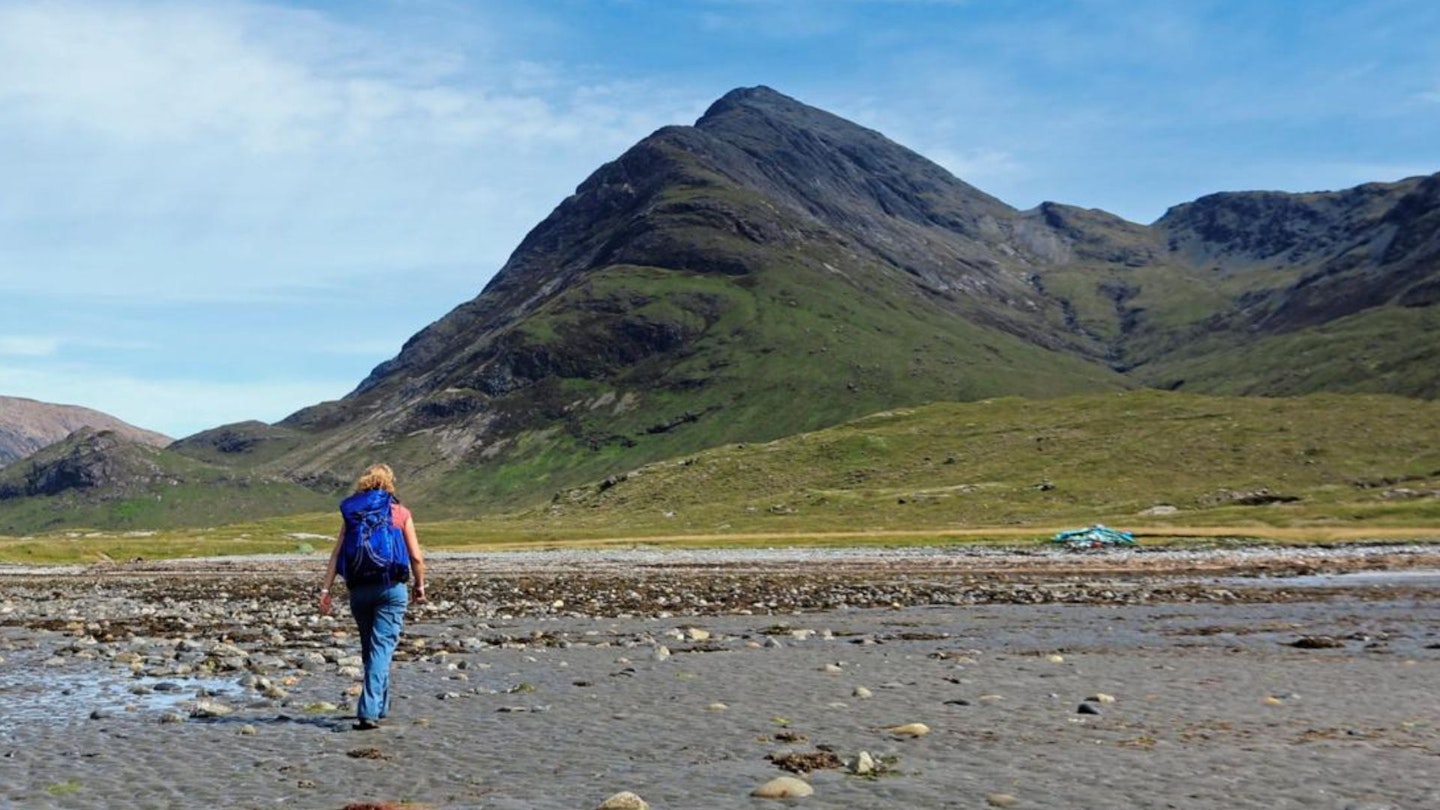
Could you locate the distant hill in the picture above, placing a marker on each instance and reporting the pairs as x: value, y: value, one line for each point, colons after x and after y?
x: 775, y: 269
x: 103, y: 479
x: 26, y: 425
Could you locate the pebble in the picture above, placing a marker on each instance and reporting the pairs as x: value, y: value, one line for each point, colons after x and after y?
x: 864, y: 764
x: 661, y: 652
x: 717, y: 707
x: 783, y: 787
x: 1001, y: 800
x: 249, y: 730
x: 624, y: 800
x: 1101, y: 697
x: 1088, y: 708
x: 910, y: 730
x: 862, y: 693
x: 210, y: 708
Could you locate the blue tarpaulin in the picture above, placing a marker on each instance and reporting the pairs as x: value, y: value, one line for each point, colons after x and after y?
x: 1096, y: 536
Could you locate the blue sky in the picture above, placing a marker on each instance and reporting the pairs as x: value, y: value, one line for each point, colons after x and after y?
x: 213, y: 211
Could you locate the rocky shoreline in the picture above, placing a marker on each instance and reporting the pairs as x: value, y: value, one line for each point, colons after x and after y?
x: 229, y: 650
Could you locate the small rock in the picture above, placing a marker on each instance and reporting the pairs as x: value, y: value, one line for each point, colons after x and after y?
x: 783, y: 787
x: 1001, y: 800
x: 662, y: 652
x: 717, y: 707
x: 1101, y: 697
x: 249, y: 730
x: 210, y: 708
x: 1316, y: 643
x: 864, y: 764
x: 1055, y: 658
x: 696, y: 634
x: 833, y: 669
x: 172, y: 717
x: 910, y: 730
x: 862, y: 693
x: 624, y: 800
x: 1088, y: 708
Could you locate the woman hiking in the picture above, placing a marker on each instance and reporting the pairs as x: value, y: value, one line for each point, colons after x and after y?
x: 376, y: 551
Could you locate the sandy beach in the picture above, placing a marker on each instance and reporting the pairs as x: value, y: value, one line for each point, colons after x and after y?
x: 1274, y: 678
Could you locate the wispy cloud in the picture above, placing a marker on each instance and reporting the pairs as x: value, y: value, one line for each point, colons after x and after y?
x: 231, y: 148
x: 25, y: 346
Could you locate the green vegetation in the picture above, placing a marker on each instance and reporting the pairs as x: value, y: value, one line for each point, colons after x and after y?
x: 1016, y: 462
x: 1006, y: 470
x: 124, y: 486
x: 67, y: 788
x: 1379, y: 350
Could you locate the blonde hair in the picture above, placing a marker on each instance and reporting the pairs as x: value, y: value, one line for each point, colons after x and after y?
x: 378, y: 476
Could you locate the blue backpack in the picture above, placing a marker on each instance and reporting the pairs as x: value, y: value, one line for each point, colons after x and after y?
x: 373, y: 550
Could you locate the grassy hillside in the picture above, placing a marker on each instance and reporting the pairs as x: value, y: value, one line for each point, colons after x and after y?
x: 104, y: 480
x: 1013, y: 470
x: 1008, y: 462
x: 767, y: 355
x: 1386, y: 349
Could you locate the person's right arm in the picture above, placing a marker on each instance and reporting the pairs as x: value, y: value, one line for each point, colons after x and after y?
x: 330, y: 570
x: 417, y: 558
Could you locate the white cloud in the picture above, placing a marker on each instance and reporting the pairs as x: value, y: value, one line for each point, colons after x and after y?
x: 159, y: 73
x: 25, y: 346
x: 979, y: 167
x: 203, y: 151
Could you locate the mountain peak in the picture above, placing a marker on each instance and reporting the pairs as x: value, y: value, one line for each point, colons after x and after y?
x: 758, y: 97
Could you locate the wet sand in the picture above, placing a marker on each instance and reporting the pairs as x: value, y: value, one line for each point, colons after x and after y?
x: 555, y: 680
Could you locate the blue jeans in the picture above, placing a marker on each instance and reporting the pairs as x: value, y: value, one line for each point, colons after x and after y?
x: 380, y: 613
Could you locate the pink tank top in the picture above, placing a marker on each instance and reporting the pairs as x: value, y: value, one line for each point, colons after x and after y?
x: 399, y: 515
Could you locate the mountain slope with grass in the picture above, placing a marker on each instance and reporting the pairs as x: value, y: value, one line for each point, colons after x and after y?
x: 103, y: 479
x: 775, y: 269
x: 770, y: 270
x: 1137, y: 458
